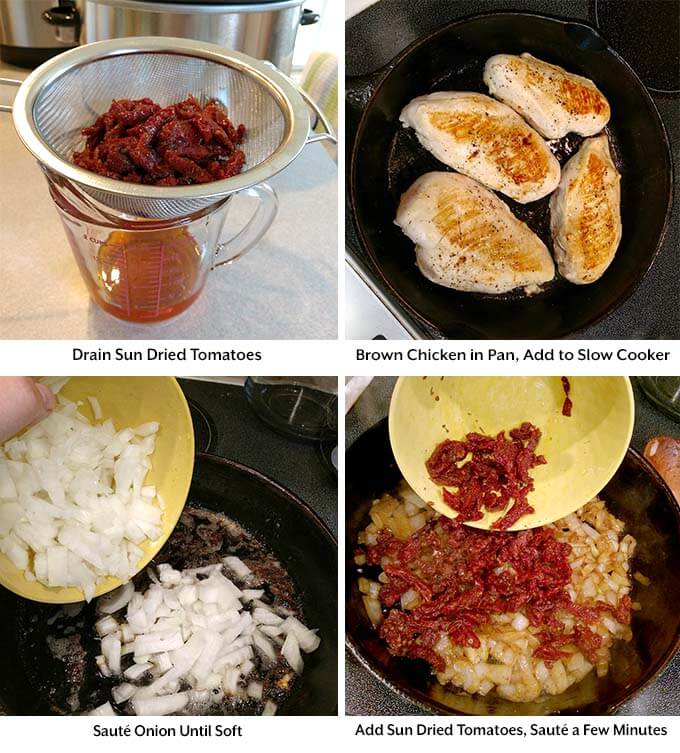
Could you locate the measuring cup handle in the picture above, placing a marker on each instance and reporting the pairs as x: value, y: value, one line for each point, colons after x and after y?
x: 254, y: 229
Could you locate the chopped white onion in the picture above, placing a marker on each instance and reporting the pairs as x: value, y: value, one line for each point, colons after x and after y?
x: 106, y: 709
x: 195, y: 630
x: 111, y: 650
x: 271, y: 630
x: 230, y: 680
x: 264, y: 645
x: 96, y: 408
x: 73, y: 505
x: 252, y: 593
x: 519, y: 622
x: 254, y: 690
x: 199, y: 696
x: 239, y: 568
x: 123, y: 692
x: 106, y: 625
x: 116, y: 599
x: 137, y: 670
x: 161, y: 705
x: 308, y: 640
x: 103, y: 666
x: 266, y: 617
x: 163, y: 662
x: 291, y: 652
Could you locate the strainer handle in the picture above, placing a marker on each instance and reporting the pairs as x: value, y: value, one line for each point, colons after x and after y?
x: 254, y: 229
x: 329, y: 133
x: 9, y: 82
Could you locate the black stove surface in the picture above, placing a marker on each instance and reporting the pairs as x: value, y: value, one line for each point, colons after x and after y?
x: 654, y: 46
x: 376, y: 35
x: 225, y: 425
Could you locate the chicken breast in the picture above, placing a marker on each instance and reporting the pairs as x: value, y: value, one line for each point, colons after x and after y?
x: 585, y: 214
x: 485, y: 140
x: 468, y: 239
x: 554, y: 101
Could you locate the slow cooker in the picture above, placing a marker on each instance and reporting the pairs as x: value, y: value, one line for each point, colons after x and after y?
x: 265, y: 30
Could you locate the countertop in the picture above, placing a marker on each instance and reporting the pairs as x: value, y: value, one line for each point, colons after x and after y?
x: 284, y: 288
x: 365, y: 695
x: 374, y: 36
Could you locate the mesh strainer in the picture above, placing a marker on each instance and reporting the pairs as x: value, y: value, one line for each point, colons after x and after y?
x: 70, y: 91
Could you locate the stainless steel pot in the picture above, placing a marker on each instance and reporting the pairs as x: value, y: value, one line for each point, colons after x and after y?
x: 32, y: 32
x: 264, y: 30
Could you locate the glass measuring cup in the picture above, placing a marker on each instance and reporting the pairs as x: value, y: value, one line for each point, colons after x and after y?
x: 147, y: 270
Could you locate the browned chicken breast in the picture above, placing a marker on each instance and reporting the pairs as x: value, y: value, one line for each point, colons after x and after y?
x: 585, y: 214
x: 485, y: 140
x: 554, y: 101
x: 468, y: 239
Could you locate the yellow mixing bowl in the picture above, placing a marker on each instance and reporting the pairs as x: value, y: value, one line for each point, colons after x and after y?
x: 130, y: 401
x: 582, y: 451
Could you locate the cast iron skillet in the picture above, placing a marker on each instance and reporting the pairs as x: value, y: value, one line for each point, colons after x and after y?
x: 636, y: 494
x: 386, y: 159
x: 280, y: 521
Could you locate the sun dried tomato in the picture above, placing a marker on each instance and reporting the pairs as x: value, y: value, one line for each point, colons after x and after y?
x: 489, y: 473
x: 567, y: 405
x: 465, y: 575
x: 386, y: 546
x: 137, y: 141
x: 588, y: 642
x: 410, y: 578
x: 622, y: 612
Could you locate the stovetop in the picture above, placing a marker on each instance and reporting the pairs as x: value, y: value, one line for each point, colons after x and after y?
x: 225, y: 425
x: 376, y: 35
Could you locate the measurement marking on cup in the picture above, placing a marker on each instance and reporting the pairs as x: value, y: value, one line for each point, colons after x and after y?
x: 149, y: 274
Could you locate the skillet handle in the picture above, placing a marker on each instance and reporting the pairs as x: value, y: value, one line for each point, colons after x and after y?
x: 586, y: 37
x: 358, y: 92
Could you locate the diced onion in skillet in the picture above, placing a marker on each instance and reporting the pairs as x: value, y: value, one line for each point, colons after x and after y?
x: 239, y: 568
x: 196, y: 631
x: 122, y: 693
x: 116, y: 599
x: 137, y: 670
x: 106, y: 709
x: 254, y: 690
x: 160, y: 705
x: 291, y: 652
x: 106, y: 625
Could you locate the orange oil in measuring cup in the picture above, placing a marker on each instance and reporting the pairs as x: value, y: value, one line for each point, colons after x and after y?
x: 147, y: 270
x: 146, y: 275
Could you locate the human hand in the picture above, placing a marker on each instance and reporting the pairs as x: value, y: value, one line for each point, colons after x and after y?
x: 23, y: 402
